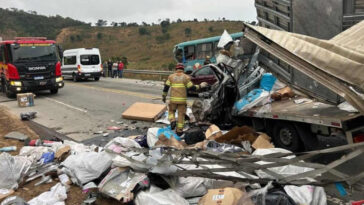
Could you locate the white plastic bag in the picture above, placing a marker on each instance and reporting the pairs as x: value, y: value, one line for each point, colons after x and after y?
x: 157, y: 196
x: 152, y: 137
x: 224, y: 40
x: 34, y: 152
x: 56, y: 196
x: 307, y: 194
x: 87, y: 166
x: 12, y: 170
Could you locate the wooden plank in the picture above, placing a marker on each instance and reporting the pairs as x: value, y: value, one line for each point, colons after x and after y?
x: 144, y: 111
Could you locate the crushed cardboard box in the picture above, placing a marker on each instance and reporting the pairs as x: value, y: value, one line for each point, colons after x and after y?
x: 262, y: 142
x: 213, y: 132
x: 226, y: 196
x: 144, y: 111
x: 237, y: 135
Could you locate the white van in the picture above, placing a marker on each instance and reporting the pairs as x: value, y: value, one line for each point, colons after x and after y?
x: 82, y: 63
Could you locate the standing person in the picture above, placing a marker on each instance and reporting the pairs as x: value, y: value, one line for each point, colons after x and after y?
x: 109, y: 68
x: 104, y: 69
x: 179, y: 83
x: 207, y: 60
x: 114, y: 70
x: 121, y: 69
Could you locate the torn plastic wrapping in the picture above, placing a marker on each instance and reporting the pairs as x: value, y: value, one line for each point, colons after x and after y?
x: 34, y: 153
x: 119, y: 183
x: 12, y: 169
x: 307, y: 194
x: 284, y: 171
x: 56, y: 196
x: 157, y: 196
x: 224, y: 40
x: 78, y: 147
x: 86, y: 166
x: 222, y: 147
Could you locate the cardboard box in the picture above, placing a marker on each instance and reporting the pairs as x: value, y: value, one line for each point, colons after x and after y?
x: 226, y: 196
x: 213, y: 132
x: 25, y: 99
x: 262, y: 142
x: 144, y: 111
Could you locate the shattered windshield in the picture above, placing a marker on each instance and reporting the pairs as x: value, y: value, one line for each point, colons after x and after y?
x: 178, y: 54
x: 34, y: 52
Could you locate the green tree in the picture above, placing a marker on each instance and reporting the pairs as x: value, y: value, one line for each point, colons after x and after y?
x: 99, y: 36
x: 143, y: 31
x: 211, y: 29
x: 171, y: 66
x: 101, y: 22
x: 188, y: 32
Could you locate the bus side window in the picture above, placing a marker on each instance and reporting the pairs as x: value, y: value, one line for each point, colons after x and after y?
x: 190, y: 52
x: 204, y: 50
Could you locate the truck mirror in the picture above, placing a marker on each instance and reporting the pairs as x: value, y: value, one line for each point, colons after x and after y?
x: 60, y: 51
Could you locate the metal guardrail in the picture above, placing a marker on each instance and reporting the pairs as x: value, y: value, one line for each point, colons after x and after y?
x: 149, y: 72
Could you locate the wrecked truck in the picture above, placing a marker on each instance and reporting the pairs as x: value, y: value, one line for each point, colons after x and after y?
x: 323, y: 73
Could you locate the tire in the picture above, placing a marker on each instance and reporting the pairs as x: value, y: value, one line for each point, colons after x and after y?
x: 97, y: 78
x: 286, y: 136
x: 74, y: 78
x: 8, y: 93
x: 54, y: 91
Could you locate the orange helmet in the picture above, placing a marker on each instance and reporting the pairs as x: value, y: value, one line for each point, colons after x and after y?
x: 180, y: 66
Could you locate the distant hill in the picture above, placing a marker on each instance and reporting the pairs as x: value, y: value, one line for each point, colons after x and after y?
x: 20, y: 23
x: 146, y: 47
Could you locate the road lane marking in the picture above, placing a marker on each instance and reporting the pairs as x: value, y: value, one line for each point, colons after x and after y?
x: 67, y: 105
x: 135, y: 94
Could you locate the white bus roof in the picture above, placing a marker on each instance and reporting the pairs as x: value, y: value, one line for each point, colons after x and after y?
x: 82, y: 51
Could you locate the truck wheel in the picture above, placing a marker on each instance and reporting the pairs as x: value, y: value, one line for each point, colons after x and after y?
x: 54, y: 91
x: 97, y: 78
x: 8, y: 93
x: 74, y: 78
x: 286, y: 136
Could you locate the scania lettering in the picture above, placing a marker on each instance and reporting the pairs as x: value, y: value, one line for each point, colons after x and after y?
x: 30, y: 64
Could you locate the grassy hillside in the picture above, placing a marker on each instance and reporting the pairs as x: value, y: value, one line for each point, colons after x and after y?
x: 19, y: 23
x: 153, y: 50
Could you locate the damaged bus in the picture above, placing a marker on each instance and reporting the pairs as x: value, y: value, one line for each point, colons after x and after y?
x: 193, y: 53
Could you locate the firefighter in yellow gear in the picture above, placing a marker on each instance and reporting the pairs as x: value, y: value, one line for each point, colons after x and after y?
x: 179, y: 83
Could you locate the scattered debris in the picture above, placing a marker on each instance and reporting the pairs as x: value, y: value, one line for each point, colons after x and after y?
x: 57, y: 195
x: 8, y: 149
x: 28, y: 115
x: 17, y: 136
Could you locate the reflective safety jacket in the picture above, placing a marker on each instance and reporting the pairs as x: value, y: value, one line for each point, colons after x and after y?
x: 179, y: 83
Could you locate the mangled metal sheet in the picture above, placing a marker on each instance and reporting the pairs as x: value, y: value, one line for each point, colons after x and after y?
x: 337, y: 64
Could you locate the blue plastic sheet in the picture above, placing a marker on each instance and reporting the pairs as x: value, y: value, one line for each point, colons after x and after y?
x: 166, y: 131
x: 267, y: 81
x: 47, y: 157
x: 248, y: 98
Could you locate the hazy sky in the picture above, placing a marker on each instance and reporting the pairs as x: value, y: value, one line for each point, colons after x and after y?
x: 139, y: 10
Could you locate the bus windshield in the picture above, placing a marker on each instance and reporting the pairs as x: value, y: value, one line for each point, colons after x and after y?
x: 34, y: 52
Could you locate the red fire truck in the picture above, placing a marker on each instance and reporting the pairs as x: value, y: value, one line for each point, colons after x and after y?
x: 30, y: 64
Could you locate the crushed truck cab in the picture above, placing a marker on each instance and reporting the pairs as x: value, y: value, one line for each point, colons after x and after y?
x: 30, y: 64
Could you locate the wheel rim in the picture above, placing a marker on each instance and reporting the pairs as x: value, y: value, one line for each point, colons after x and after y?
x: 285, y: 136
